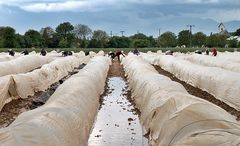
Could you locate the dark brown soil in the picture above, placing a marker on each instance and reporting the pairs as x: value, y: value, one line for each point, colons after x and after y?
x: 117, y: 70
x: 200, y: 93
x: 12, y: 109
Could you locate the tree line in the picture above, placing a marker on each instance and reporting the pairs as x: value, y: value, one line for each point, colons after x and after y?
x: 65, y: 35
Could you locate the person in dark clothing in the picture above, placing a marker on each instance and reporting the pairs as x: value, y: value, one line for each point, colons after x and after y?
x: 67, y: 53
x: 118, y: 53
x: 11, y: 52
x: 70, y: 53
x: 86, y: 53
x: 25, y: 52
x: 207, y: 52
x: 198, y: 52
x: 43, y: 52
x: 169, y: 52
x: 112, y: 55
x: 64, y: 53
x: 136, y: 51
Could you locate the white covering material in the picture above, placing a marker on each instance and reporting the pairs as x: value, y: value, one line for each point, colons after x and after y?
x: 6, y: 58
x: 67, y: 117
x: 23, y: 64
x: 24, y: 85
x: 213, y: 62
x: 172, y: 116
x: 233, y: 56
x: 223, y: 84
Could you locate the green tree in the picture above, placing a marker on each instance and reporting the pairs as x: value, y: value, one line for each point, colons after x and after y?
x: 199, y: 39
x: 93, y: 43
x: 8, y: 37
x: 119, y: 42
x: 152, y: 41
x: 99, y: 39
x: 141, y: 43
x: 82, y: 31
x: 183, y: 38
x: 20, y: 41
x: 168, y: 39
x: 232, y: 43
x: 65, y: 33
x: 140, y: 40
x: 47, y: 34
x: 216, y: 40
x: 33, y: 39
x: 237, y: 33
x: 63, y: 43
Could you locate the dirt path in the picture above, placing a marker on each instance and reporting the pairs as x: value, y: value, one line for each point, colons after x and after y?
x: 12, y: 109
x: 200, y: 93
x: 117, y: 122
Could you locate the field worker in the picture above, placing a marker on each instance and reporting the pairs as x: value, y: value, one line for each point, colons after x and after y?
x: 25, y: 52
x: 67, y: 53
x: 136, y: 51
x: 111, y: 54
x: 198, y: 52
x: 70, y: 53
x: 11, y: 52
x: 86, y: 53
x: 214, y: 52
x: 43, y: 52
x: 118, y: 53
x: 64, y: 53
x: 169, y: 52
x: 207, y: 51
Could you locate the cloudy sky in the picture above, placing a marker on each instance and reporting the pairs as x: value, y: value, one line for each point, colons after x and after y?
x: 131, y: 16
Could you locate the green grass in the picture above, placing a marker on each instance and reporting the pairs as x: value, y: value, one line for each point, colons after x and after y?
x: 126, y: 50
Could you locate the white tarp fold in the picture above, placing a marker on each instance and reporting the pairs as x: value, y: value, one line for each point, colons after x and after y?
x: 26, y: 84
x: 173, y: 117
x: 67, y: 117
x: 211, y: 61
x: 23, y: 64
x: 222, y: 84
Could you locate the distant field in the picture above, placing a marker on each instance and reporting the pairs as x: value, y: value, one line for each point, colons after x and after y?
x: 183, y: 50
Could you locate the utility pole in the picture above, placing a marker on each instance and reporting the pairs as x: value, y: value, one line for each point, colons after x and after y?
x: 111, y: 34
x: 190, y: 33
x: 122, y: 32
x: 159, y: 32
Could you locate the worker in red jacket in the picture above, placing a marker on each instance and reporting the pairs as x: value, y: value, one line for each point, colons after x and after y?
x: 214, y: 52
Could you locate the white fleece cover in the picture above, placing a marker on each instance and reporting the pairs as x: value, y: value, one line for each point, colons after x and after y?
x: 231, y: 56
x: 172, y: 116
x: 23, y: 64
x: 6, y: 57
x: 207, y: 60
x: 26, y: 84
x: 67, y: 117
x: 222, y: 84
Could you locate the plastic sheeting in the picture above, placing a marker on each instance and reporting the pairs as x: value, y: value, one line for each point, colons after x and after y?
x: 6, y: 58
x: 233, y: 56
x: 24, y: 85
x: 222, y: 84
x: 67, y: 117
x: 171, y: 116
x: 213, y: 62
x: 23, y: 64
